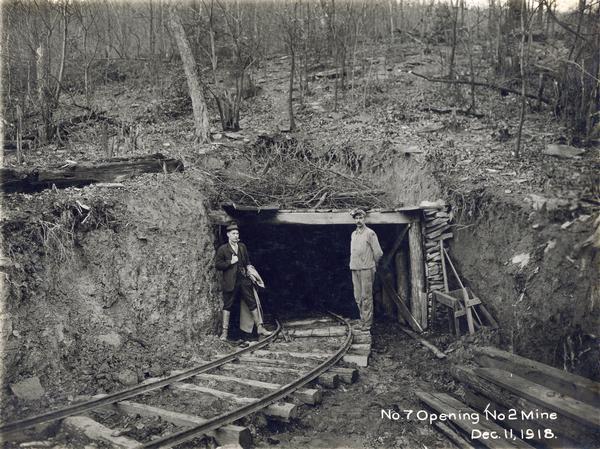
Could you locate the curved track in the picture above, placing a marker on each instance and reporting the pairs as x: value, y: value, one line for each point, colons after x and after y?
x: 301, y: 377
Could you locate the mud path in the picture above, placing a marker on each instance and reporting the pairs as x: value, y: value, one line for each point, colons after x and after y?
x: 350, y: 417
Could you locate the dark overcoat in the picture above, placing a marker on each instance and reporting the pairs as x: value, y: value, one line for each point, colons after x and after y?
x: 223, y: 263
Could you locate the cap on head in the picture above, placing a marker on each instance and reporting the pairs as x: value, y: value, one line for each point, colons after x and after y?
x: 232, y: 227
x: 357, y: 212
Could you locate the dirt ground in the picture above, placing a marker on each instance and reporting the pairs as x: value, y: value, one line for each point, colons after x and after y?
x: 135, y: 280
x: 351, y: 416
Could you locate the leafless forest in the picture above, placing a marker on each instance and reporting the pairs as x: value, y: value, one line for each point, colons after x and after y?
x: 57, y: 53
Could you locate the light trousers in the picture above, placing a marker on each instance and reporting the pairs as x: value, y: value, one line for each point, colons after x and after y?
x: 362, y: 280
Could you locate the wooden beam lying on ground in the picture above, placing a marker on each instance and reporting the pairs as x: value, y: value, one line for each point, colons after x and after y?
x: 229, y: 434
x: 439, y: 354
x: 453, y: 436
x: 462, y: 416
x: 332, y: 331
x: 498, y: 400
x: 299, y: 355
x: 309, y: 396
x: 584, y: 414
x: 283, y: 411
x: 93, y: 430
x: 330, y: 379
x: 84, y: 173
x: 580, y: 388
x: 307, y: 322
x: 225, y: 435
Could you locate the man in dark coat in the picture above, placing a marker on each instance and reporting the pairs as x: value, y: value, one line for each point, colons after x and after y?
x: 233, y: 261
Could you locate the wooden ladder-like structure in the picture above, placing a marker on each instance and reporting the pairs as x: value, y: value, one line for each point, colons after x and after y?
x: 461, y: 302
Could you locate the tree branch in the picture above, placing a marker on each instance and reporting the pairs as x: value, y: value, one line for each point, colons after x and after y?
x: 480, y: 84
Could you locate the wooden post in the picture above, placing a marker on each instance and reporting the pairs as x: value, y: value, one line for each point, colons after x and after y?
x: 402, y: 278
x: 418, y: 304
x: 387, y: 301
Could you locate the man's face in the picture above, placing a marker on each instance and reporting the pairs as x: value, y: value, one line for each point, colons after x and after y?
x: 359, y: 220
x: 234, y: 236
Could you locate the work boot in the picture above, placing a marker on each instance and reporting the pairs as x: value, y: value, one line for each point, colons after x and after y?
x: 226, y: 315
x: 260, y: 329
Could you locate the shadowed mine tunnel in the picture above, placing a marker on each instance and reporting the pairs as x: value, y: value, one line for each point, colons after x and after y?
x: 305, y: 266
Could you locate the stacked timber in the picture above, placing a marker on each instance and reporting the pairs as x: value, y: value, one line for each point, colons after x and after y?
x: 522, y: 401
x: 436, y: 232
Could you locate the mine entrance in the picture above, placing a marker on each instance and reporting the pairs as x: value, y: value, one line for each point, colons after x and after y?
x: 303, y: 257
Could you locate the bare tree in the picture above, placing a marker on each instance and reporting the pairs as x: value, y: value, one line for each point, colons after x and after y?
x: 189, y: 65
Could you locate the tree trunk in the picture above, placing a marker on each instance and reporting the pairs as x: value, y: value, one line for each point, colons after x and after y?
x: 291, y: 91
x: 453, y: 49
x: 44, y: 131
x: 522, y: 68
x: 189, y: 66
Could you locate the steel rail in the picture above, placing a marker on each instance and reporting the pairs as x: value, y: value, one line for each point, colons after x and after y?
x: 227, y: 418
x: 131, y: 392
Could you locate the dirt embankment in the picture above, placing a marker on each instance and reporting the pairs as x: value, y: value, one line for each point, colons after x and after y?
x: 536, y: 267
x: 102, y: 280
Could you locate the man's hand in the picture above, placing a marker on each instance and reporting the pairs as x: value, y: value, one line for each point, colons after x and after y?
x: 234, y: 259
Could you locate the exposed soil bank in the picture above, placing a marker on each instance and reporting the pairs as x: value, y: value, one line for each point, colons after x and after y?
x: 104, y: 279
x: 536, y: 267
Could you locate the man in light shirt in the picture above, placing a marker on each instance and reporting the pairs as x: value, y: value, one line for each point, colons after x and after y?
x: 365, y: 253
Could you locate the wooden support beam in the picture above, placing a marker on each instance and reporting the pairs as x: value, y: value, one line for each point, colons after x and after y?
x: 282, y: 411
x: 402, y: 309
x: 418, y: 300
x: 332, y: 218
x: 580, y: 388
x: 309, y: 396
x: 93, y: 430
x: 584, y: 414
x: 82, y: 174
x: 402, y: 280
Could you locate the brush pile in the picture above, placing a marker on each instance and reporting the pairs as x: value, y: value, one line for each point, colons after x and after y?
x: 278, y: 170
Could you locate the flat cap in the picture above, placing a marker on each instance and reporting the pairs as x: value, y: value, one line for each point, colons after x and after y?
x: 357, y: 211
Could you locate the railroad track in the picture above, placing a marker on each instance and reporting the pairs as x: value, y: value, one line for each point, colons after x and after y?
x: 270, y: 377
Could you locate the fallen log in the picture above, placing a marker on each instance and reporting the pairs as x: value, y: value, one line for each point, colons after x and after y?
x: 82, y: 174
x: 480, y: 84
